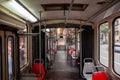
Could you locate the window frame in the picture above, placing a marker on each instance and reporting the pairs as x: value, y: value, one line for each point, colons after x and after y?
x: 113, y: 41
x: 99, y: 44
x: 13, y: 71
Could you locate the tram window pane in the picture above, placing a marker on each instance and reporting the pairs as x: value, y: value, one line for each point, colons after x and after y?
x: 116, y: 46
x: 0, y: 58
x: 10, y: 57
x: 23, y: 51
x: 103, y: 43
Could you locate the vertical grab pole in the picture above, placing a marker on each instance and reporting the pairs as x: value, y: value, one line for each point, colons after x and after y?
x: 81, y: 62
x: 40, y: 43
x: 75, y: 44
x: 45, y: 48
x: 50, y: 47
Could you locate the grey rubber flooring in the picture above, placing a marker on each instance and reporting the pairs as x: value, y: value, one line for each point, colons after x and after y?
x: 62, y: 68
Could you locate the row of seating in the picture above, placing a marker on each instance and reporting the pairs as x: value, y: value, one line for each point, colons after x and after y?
x: 92, y: 72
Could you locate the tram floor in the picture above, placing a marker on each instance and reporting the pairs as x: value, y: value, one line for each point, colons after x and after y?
x: 62, y: 68
x: 62, y: 75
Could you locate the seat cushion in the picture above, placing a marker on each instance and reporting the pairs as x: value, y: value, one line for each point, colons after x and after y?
x: 100, y: 76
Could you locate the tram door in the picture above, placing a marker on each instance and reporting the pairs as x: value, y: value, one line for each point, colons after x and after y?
x: 10, y: 54
x: 0, y: 58
x: 2, y: 64
x: 7, y: 53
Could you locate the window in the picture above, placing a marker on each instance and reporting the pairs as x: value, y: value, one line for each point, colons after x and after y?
x: 10, y: 50
x: 103, y: 43
x: 23, y: 51
x: 116, y: 46
x: 0, y: 58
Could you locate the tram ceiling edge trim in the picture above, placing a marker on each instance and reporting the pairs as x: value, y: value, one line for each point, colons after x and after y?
x: 10, y: 21
x: 11, y: 24
x: 9, y: 13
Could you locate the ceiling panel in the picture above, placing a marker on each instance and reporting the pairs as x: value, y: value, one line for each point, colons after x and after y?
x: 93, y: 7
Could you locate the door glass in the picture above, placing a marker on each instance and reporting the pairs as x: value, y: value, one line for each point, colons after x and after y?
x: 10, y: 57
x: 23, y: 51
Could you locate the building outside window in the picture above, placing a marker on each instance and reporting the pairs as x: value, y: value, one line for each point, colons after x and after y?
x: 103, y: 43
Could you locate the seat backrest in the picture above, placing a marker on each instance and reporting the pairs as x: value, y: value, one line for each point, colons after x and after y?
x: 88, y: 68
x: 88, y: 65
x: 38, y: 68
x: 101, y: 75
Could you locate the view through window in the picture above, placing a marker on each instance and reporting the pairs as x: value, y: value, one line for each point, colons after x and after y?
x: 103, y: 43
x: 116, y: 45
x: 10, y: 57
x: 23, y: 51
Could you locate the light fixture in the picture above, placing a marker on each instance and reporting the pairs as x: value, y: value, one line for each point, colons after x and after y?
x: 47, y: 30
x: 16, y: 8
x: 58, y: 31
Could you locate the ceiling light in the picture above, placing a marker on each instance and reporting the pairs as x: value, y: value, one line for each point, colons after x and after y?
x: 48, y: 30
x: 15, y: 7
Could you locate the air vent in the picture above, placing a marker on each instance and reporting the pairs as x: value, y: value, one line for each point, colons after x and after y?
x: 101, y: 3
x: 52, y: 7
x: 104, y: 2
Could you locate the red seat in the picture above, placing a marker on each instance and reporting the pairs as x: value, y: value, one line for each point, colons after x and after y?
x: 36, y: 70
x: 38, y: 78
x: 101, y: 75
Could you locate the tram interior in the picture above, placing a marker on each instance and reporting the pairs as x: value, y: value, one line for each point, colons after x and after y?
x: 62, y: 58
x: 59, y: 39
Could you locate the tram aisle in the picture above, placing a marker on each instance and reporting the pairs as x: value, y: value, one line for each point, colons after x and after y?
x: 63, y: 69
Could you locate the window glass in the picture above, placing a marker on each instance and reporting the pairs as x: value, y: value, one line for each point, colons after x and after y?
x: 23, y: 51
x: 116, y: 46
x: 0, y: 58
x: 10, y: 57
x: 103, y: 43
